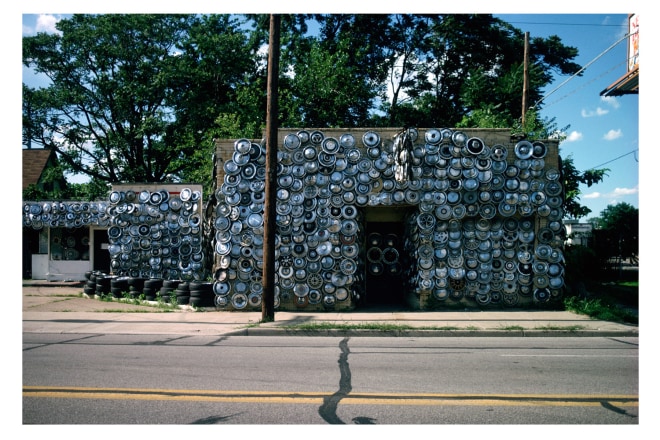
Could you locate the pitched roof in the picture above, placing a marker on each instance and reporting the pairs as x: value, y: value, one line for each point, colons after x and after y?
x: 35, y: 161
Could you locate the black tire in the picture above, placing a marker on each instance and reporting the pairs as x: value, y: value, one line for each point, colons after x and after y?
x: 117, y: 292
x: 182, y: 290
x: 195, y: 301
x: 171, y: 283
x: 136, y: 282
x: 119, y: 283
x: 103, y: 285
x: 149, y: 293
x: 182, y: 299
x: 208, y: 301
x: 204, y: 295
x: 203, y: 291
x: 89, y: 290
x: 195, y: 285
x: 166, y: 290
x: 153, y: 283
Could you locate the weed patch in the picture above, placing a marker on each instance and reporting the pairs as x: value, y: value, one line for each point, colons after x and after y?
x: 385, y: 327
x: 601, y: 309
x: 569, y: 328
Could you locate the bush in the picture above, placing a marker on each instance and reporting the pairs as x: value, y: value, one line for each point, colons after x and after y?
x: 581, y: 264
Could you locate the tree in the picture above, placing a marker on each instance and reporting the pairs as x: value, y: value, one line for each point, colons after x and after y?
x: 140, y: 98
x: 467, y: 63
x: 571, y: 178
x: 618, y: 227
x: 131, y: 96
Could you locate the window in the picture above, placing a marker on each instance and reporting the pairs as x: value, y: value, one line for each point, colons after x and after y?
x: 69, y: 243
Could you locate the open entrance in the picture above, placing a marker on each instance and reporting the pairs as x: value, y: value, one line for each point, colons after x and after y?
x: 385, y: 260
x: 101, y: 254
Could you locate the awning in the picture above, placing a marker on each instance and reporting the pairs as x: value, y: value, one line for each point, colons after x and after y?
x: 628, y: 84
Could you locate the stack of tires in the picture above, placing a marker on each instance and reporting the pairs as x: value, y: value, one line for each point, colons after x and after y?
x: 103, y: 284
x: 151, y: 288
x: 168, y: 288
x: 135, y: 287
x: 201, y: 294
x: 182, y: 293
x: 90, y: 284
x: 118, y: 287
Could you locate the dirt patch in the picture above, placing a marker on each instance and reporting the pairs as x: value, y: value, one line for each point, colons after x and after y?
x: 72, y: 299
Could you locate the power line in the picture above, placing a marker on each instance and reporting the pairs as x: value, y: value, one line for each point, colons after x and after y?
x: 582, y: 69
x: 616, y: 158
x: 591, y: 81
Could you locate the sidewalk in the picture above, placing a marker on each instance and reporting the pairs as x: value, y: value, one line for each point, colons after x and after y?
x: 51, y: 307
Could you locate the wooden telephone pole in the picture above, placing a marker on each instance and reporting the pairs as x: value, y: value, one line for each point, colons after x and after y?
x: 268, y: 282
x: 525, y: 79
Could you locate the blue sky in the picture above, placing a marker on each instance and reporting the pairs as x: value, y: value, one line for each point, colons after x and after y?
x: 602, y: 132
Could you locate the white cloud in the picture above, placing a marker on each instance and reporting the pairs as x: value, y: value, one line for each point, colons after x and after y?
x: 46, y: 23
x: 598, y: 112
x: 573, y: 136
x: 625, y: 191
x: 612, y: 195
x: 612, y: 135
x: 611, y: 101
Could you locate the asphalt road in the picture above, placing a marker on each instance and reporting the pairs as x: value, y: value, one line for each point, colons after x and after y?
x: 232, y: 380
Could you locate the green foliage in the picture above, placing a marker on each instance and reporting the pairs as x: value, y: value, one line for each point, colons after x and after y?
x: 571, y: 178
x: 599, y: 308
x: 582, y: 263
x: 89, y: 191
x: 93, y: 190
x: 617, y: 233
x: 131, y: 96
x: 141, y: 97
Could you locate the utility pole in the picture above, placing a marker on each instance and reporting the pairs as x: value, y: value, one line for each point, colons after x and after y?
x: 525, y: 79
x: 268, y: 281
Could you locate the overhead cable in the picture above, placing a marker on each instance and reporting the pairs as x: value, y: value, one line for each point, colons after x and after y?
x: 583, y: 68
x: 616, y: 158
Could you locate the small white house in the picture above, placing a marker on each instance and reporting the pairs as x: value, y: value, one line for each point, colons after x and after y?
x: 578, y: 234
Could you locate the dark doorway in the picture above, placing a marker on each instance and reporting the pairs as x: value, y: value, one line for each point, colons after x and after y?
x: 30, y: 247
x: 101, y: 253
x: 384, y: 265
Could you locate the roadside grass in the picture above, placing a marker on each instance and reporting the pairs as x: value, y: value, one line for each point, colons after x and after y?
x: 615, y: 302
x: 601, y: 309
x: 512, y: 328
x: 385, y: 327
x: 570, y: 328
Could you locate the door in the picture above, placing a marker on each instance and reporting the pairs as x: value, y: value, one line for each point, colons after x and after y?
x: 101, y: 253
x: 384, y: 265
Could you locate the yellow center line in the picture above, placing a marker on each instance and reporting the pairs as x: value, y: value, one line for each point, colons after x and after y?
x: 425, y: 399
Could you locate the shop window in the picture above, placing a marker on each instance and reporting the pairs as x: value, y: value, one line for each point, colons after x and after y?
x: 69, y: 243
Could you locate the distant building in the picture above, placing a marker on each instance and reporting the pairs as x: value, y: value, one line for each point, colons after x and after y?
x: 628, y: 83
x: 578, y: 234
x: 36, y: 163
